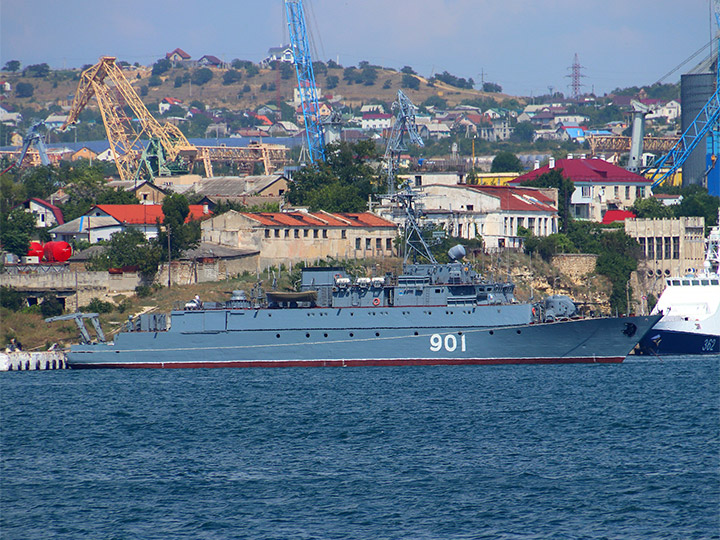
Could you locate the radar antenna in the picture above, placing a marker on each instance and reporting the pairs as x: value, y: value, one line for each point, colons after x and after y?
x: 404, y: 122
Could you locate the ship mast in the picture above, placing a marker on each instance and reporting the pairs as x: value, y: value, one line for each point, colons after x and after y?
x: 413, y: 241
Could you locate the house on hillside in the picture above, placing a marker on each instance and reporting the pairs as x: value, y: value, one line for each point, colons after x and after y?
x: 248, y: 190
x: 599, y: 186
x: 55, y: 121
x: 210, y: 61
x: 293, y: 237
x: 83, y: 153
x: 168, y: 102
x: 46, y: 214
x: 104, y: 220
x: 146, y: 192
x: 279, y: 54
x: 178, y: 57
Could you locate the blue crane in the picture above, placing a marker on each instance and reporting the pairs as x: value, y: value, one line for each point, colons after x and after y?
x: 32, y: 136
x: 307, y: 89
x: 705, y: 122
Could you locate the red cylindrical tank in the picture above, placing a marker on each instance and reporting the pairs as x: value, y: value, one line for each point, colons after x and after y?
x: 36, y: 250
x: 57, y: 251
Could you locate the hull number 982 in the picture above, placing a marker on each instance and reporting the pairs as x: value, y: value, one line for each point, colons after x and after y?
x: 450, y: 343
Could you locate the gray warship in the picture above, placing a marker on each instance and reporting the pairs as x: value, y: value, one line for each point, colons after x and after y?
x: 430, y: 314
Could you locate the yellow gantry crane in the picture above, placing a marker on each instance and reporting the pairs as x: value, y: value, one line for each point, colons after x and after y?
x: 169, y: 150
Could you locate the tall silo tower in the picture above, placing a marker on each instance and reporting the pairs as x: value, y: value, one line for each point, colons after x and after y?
x: 696, y: 88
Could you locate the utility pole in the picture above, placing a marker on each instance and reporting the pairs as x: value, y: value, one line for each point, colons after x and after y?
x: 169, y: 259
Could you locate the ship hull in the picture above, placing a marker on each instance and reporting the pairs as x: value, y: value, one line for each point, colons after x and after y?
x: 660, y: 342
x: 602, y: 340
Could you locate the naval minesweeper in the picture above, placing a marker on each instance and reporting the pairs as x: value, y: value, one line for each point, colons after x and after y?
x: 431, y: 314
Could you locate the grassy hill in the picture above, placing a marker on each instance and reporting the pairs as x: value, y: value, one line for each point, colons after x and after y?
x: 267, y: 86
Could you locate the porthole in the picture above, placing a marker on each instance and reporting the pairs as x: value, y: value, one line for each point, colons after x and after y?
x: 351, y: 334
x: 518, y: 331
x: 491, y: 332
x: 377, y: 334
x: 416, y: 333
x: 307, y: 335
x: 325, y: 335
x: 277, y: 336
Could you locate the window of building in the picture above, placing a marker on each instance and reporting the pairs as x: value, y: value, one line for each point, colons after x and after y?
x: 641, y: 241
x: 470, y: 207
x: 650, y: 248
x: 357, y: 243
x: 388, y: 244
x: 306, y: 233
x: 668, y: 252
x: 343, y: 234
x: 368, y: 245
x: 418, y: 180
x: 378, y: 244
x: 267, y: 233
x: 287, y: 233
x: 586, y: 191
x: 315, y: 233
x: 617, y: 191
x: 297, y: 233
x: 324, y: 233
x: 639, y: 192
x: 277, y: 233
x: 676, y: 247
x: 627, y: 192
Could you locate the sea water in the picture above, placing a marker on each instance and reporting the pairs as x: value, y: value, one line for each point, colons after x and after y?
x: 506, y: 452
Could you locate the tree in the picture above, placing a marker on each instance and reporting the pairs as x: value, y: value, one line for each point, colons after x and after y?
x: 408, y: 70
x: 555, y: 179
x: 491, y: 87
x: 651, y: 208
x: 24, y: 90
x: 202, y: 76
x: 183, y: 235
x: 17, y: 228
x: 129, y: 248
x: 506, y: 162
x: 332, y: 81
x: 37, y: 70
x: 435, y: 101
x: 410, y: 81
x: 161, y: 66
x: 12, y: 66
x: 342, y: 183
x: 231, y: 76
x: 523, y: 132
x: 368, y: 76
x: 286, y: 71
x: 154, y: 80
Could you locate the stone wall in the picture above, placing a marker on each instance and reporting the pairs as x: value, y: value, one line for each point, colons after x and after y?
x: 188, y: 272
x: 575, y: 265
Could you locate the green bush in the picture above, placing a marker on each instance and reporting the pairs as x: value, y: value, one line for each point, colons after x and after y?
x: 11, y: 299
x: 143, y: 291
x: 98, y: 306
x: 51, y: 306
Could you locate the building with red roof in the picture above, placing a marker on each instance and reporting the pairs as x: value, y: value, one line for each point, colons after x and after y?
x: 46, y: 214
x: 494, y: 213
x: 292, y: 237
x: 611, y: 216
x: 599, y: 186
x: 104, y: 220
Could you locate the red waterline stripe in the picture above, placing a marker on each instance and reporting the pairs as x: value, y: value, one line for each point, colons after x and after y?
x: 351, y: 363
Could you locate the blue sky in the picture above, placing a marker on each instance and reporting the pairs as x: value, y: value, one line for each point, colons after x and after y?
x: 523, y: 45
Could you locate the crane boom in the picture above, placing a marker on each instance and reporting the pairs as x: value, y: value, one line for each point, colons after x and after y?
x: 106, y: 81
x: 314, y: 136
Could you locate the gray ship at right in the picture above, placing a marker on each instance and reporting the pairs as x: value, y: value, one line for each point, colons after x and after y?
x: 431, y: 314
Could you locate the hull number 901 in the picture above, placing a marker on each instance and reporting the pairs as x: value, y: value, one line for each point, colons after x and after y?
x: 449, y: 343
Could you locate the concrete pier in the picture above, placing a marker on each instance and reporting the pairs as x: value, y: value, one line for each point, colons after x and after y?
x: 25, y: 361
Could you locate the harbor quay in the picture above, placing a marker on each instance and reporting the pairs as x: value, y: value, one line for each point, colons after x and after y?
x: 32, y: 361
